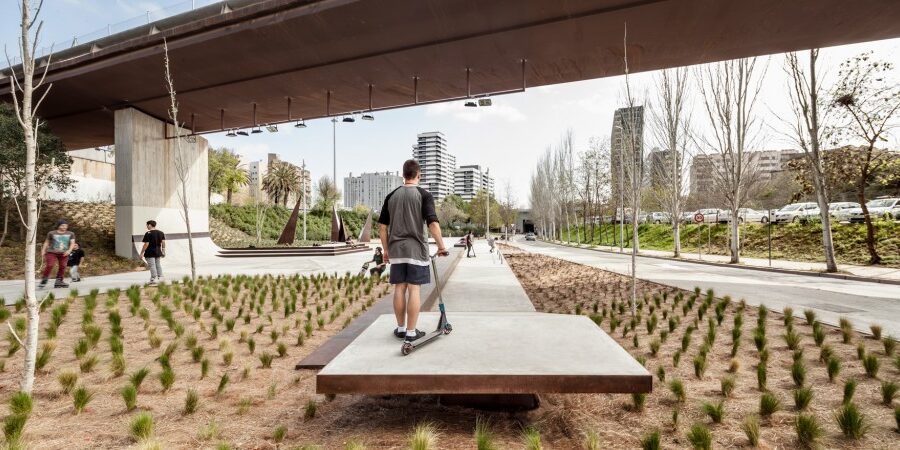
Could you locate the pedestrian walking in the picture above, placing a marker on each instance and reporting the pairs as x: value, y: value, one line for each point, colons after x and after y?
x: 56, y: 250
x: 490, y: 241
x: 76, y: 261
x: 405, y: 210
x: 153, y: 251
x: 470, y: 245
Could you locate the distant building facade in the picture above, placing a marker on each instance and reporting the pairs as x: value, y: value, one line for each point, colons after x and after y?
x: 627, y: 127
x: 437, y: 163
x: 470, y: 179
x: 256, y: 173
x: 370, y: 189
x: 766, y: 163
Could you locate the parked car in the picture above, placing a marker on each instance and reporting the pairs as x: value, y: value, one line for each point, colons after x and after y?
x: 885, y: 208
x: 794, y: 212
x: 839, y: 211
x: 745, y: 215
x: 687, y: 217
x: 658, y: 217
x: 710, y: 215
x: 530, y: 237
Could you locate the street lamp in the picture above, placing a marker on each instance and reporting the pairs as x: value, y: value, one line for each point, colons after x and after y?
x: 334, y: 122
x: 621, y: 193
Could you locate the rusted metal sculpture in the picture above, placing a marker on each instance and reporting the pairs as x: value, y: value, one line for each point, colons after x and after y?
x: 366, y: 234
x: 290, y: 230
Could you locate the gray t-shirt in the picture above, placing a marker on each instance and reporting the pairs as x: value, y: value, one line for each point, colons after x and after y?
x: 405, y: 210
x: 59, y: 242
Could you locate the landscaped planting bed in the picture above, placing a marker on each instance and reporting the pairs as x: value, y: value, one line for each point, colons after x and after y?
x: 724, y: 372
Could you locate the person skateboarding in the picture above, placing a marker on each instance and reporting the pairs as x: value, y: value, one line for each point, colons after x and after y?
x: 405, y: 210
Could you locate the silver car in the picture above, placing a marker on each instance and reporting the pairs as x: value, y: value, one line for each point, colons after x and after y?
x: 747, y: 215
x: 885, y: 208
x: 658, y: 217
x: 839, y: 211
x: 710, y: 215
x: 794, y: 212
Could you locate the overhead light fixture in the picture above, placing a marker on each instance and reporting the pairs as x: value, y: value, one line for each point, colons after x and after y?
x: 272, y: 128
x: 484, y: 102
x: 367, y: 117
x: 349, y: 119
x: 243, y: 133
x: 471, y: 104
x: 300, y: 124
x: 256, y: 130
x: 231, y: 133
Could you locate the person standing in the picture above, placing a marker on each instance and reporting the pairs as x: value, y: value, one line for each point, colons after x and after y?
x: 153, y: 251
x: 76, y: 260
x: 405, y: 210
x: 470, y: 245
x: 55, y: 251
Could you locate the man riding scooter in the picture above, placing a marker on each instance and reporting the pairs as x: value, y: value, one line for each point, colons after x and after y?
x: 380, y: 265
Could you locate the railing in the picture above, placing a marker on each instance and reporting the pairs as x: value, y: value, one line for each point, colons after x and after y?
x: 110, y: 29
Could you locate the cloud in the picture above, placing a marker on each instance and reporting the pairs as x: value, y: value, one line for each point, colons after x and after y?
x: 458, y: 111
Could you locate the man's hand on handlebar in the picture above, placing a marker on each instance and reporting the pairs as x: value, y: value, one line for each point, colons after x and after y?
x: 442, y: 252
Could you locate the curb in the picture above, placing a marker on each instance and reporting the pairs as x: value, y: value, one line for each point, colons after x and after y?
x: 759, y: 268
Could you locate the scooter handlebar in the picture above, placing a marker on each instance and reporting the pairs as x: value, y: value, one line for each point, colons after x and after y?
x: 440, y: 253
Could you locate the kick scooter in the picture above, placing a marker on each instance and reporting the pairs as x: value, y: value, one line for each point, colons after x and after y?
x: 443, y: 326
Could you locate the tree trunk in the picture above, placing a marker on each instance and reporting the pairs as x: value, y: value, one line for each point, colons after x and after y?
x: 676, y: 236
x: 735, y: 236
x: 228, y: 195
x: 5, y: 224
x: 874, y: 258
x: 827, y: 243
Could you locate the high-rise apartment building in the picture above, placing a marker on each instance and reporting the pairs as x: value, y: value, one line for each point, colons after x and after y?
x: 626, y: 148
x: 468, y: 180
x: 764, y: 164
x: 438, y: 164
x: 370, y: 189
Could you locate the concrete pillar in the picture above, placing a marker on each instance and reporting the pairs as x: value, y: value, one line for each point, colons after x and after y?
x: 147, y: 183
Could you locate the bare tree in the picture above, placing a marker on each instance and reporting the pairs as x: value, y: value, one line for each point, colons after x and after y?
x: 182, y: 166
x: 730, y: 90
x: 807, y: 131
x: 867, y: 98
x: 670, y: 124
x: 25, y: 108
x: 508, y: 207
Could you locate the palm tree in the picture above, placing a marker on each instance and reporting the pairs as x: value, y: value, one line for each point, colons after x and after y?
x: 235, y: 178
x: 282, y: 180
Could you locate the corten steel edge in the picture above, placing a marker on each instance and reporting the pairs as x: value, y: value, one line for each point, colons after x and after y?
x: 488, y: 353
x: 333, y: 346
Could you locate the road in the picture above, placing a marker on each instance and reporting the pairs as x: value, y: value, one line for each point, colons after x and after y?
x: 864, y: 303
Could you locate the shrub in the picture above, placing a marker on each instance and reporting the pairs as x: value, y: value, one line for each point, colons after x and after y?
x: 849, y: 390
x: 423, y: 437
x: 700, y: 437
x: 310, y: 411
x: 846, y: 330
x: 759, y: 339
x: 13, y: 425
x: 798, y: 373
x: 677, y: 388
x: 204, y: 368
x: 118, y: 364
x: 792, y: 339
x: 897, y: 417
x: 21, y: 404
x: 876, y: 331
x: 651, y: 441
x: 768, y: 404
x: 818, y: 334
x: 699, y: 366
x: 751, y: 430
x: 531, y: 438
x: 266, y: 359
x: 851, y: 421
x: 142, y: 427
x: 715, y: 411
x: 191, y: 402
x: 138, y: 376
x: 484, y: 435
x: 761, y: 376
x: 80, y: 398
x: 279, y: 434
x: 129, y: 396
x: 890, y: 343
x: 223, y: 382
x: 727, y: 385
x: 871, y: 364
x: 44, y: 355
x: 734, y: 365
x: 888, y: 392
x: 654, y: 347
x: 808, y: 430
x: 88, y: 363
x: 197, y: 354
x: 67, y: 379
x: 802, y: 397
x: 638, y: 400
x: 833, y: 366
x: 282, y: 350
x: 860, y: 351
x: 167, y: 378
x: 810, y: 316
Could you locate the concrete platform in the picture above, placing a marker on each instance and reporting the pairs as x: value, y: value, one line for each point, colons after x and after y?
x: 487, y: 353
x: 483, y: 283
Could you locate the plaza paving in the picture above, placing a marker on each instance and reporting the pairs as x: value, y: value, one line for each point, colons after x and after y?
x: 864, y: 303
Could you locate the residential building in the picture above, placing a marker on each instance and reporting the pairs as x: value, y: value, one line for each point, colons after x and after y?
x: 257, y: 170
x: 626, y: 146
x: 437, y: 163
x: 765, y: 163
x: 470, y: 179
x: 659, y: 167
x: 370, y: 189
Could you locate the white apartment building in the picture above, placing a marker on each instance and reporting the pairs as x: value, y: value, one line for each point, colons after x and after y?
x: 765, y: 164
x: 468, y: 180
x: 438, y: 164
x: 370, y: 189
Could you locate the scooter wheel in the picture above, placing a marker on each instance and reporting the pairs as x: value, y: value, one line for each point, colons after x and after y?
x: 406, y: 349
x: 447, y: 328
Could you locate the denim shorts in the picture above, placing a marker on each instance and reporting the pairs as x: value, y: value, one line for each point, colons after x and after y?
x: 410, y: 273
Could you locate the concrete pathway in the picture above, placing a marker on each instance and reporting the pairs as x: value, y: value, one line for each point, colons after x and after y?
x: 873, y: 272
x: 207, y: 264
x: 484, y: 284
x: 865, y: 303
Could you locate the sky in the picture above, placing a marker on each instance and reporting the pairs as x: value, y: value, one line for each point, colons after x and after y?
x: 507, y: 137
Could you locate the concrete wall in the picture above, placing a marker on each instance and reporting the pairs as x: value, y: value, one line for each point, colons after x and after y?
x: 147, y: 183
x: 95, y: 179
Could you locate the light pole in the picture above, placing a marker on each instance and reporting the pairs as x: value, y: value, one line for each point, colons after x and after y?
x: 487, y: 205
x: 621, y: 194
x: 305, y: 197
x: 334, y: 151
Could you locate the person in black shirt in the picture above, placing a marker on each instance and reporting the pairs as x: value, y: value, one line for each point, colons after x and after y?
x: 378, y: 259
x: 76, y: 260
x: 153, y: 251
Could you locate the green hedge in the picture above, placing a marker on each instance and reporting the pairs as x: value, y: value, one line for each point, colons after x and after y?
x: 318, y: 223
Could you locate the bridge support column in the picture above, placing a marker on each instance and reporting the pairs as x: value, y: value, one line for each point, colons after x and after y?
x: 147, y: 183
